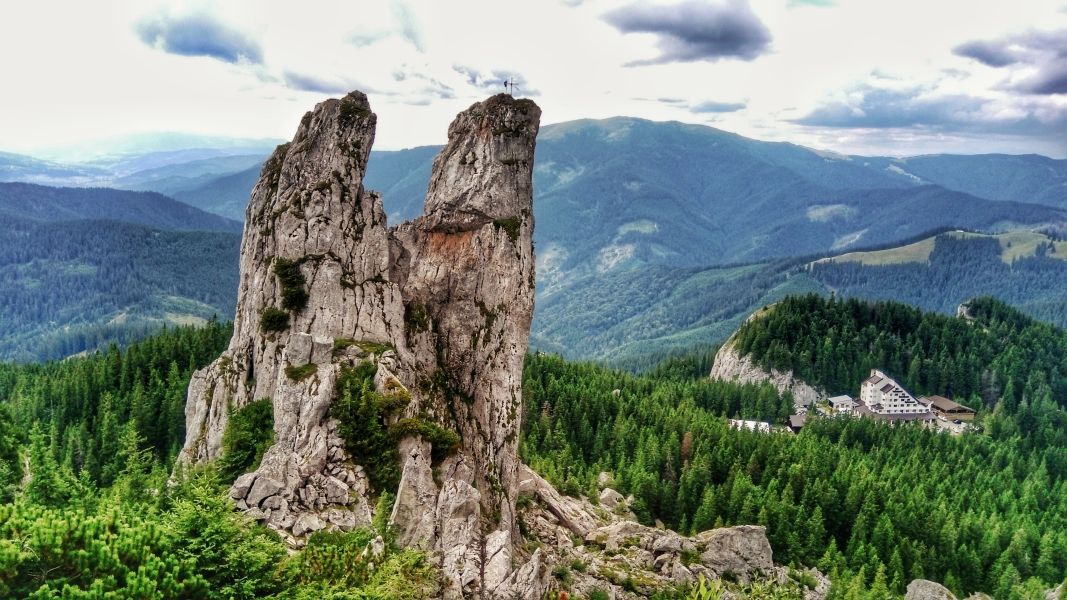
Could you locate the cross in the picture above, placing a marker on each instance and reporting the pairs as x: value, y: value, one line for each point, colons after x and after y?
x: 509, y: 86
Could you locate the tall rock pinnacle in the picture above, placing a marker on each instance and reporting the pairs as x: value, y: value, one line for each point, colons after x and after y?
x: 438, y: 309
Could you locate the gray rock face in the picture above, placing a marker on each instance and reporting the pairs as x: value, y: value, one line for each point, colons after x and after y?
x: 440, y: 305
x: 921, y: 589
x: 629, y: 560
x: 743, y: 551
x: 731, y: 366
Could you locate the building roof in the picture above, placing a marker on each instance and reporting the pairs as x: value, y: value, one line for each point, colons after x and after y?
x: 873, y: 379
x: 797, y: 421
x: 945, y: 405
x: 842, y: 400
x: 888, y: 387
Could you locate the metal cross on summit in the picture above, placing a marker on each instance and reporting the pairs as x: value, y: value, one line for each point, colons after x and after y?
x: 509, y: 86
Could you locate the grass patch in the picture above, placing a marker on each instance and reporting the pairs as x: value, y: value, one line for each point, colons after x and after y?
x: 510, y: 226
x: 302, y: 372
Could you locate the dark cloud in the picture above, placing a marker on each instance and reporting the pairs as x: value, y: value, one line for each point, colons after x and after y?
x: 670, y: 100
x: 1052, y: 79
x: 1042, y: 54
x: 880, y: 108
x: 711, y: 106
x: 695, y: 31
x: 991, y: 54
x: 310, y: 83
x: 919, y: 113
x: 490, y: 81
x: 199, y: 35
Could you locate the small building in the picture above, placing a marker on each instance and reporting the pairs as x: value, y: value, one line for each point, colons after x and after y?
x: 796, y: 422
x: 843, y: 405
x: 757, y: 426
x: 949, y: 409
x: 882, y: 395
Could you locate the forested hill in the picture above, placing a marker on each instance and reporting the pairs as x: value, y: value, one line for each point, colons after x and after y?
x: 1023, y: 268
x: 71, y: 286
x: 874, y: 505
x: 51, y: 204
x: 871, y: 505
x: 997, y: 359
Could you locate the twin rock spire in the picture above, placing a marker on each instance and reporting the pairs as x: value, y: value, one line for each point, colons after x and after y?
x: 437, y: 309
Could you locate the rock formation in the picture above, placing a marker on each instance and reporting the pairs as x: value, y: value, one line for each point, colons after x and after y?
x: 440, y: 307
x: 392, y: 359
x: 609, y: 551
x: 922, y: 589
x: 729, y: 365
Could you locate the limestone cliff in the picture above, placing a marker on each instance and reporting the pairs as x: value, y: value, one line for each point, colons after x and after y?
x: 729, y: 365
x: 424, y: 328
x: 440, y: 307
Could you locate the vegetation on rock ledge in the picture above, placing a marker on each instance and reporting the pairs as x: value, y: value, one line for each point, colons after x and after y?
x: 294, y: 296
x: 273, y: 319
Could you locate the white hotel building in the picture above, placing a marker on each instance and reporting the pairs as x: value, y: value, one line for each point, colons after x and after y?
x: 883, y: 396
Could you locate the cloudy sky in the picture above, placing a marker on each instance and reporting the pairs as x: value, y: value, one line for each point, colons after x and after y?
x: 893, y: 77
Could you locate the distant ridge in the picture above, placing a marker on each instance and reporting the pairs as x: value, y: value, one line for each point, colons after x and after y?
x: 51, y: 204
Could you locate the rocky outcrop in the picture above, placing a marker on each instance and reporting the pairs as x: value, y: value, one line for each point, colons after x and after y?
x: 594, y: 549
x: 434, y: 317
x: 922, y: 589
x: 439, y: 307
x: 729, y: 365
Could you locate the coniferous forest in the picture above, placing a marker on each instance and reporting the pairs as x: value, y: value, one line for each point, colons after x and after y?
x: 873, y: 505
x: 88, y: 444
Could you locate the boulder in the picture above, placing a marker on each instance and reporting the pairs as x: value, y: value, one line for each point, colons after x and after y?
x: 921, y: 589
x: 742, y: 551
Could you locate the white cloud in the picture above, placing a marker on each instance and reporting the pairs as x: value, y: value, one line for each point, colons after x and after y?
x: 90, y: 75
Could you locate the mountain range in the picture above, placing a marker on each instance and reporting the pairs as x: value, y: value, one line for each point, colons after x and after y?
x: 650, y: 236
x: 82, y: 268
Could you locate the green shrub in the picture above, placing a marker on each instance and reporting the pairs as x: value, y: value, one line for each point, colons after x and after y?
x: 334, y: 565
x: 273, y: 319
x: 416, y: 317
x: 249, y: 432
x: 294, y: 296
x: 510, y: 226
x: 362, y: 413
x: 706, y: 590
x: 443, y: 440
